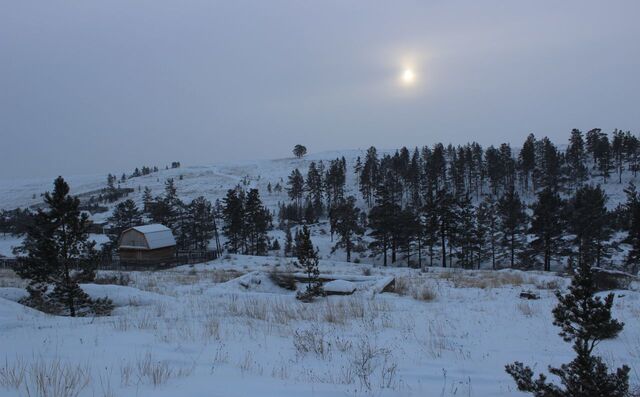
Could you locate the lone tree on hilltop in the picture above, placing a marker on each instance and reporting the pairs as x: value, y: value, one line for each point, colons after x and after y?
x: 299, y: 151
x: 60, y: 255
x: 585, y: 320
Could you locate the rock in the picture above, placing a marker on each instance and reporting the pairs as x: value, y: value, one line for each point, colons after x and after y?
x: 339, y: 287
x: 606, y: 279
x: 529, y: 295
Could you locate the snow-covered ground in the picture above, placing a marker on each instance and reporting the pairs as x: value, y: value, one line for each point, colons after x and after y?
x: 225, y: 329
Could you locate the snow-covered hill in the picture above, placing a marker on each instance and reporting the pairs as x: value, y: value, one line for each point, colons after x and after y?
x: 213, y: 181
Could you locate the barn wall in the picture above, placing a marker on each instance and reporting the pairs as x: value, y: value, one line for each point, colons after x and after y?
x: 150, y: 258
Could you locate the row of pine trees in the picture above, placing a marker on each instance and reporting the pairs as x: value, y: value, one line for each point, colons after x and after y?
x: 467, y: 205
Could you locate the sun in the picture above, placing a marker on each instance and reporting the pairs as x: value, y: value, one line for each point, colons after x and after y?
x: 408, y: 77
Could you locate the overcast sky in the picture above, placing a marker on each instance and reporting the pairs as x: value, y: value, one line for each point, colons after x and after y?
x: 104, y: 86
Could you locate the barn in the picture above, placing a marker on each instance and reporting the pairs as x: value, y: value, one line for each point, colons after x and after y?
x: 148, y: 245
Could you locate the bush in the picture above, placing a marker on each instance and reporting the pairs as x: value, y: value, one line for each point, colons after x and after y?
x: 423, y: 293
x: 283, y: 280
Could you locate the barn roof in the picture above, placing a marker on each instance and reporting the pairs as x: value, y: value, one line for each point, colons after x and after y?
x: 157, y: 235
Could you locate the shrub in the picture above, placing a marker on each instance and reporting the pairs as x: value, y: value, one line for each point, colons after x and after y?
x: 283, y: 280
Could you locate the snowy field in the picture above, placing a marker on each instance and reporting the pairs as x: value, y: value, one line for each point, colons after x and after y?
x: 225, y: 329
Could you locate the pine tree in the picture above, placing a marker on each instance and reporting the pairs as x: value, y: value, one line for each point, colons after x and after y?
x: 618, y: 152
x: 585, y: 320
x: 430, y: 227
x: 588, y: 221
x: 233, y: 216
x: 382, y: 219
x: 59, y: 254
x: 603, y: 156
x: 466, y: 234
x: 315, y: 188
x: 632, y: 150
x: 147, y: 200
x: 308, y: 260
x: 446, y: 216
x: 201, y: 223
x: 296, y: 186
x: 549, y: 165
x: 527, y: 161
x: 495, y: 169
x: 632, y: 209
x: 124, y: 216
x: 169, y: 209
x: 334, y: 181
x: 576, y: 159
x: 345, y: 223
x: 546, y: 225
x: 488, y: 229
x: 256, y: 224
x: 512, y: 222
x: 299, y: 151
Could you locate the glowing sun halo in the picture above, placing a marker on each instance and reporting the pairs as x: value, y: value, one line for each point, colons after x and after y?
x: 408, y: 77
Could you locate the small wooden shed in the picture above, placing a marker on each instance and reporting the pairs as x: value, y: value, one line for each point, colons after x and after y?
x: 148, y: 245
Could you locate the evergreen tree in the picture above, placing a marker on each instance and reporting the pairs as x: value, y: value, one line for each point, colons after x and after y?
x: 603, y: 157
x: 632, y: 210
x: 299, y: 151
x: 233, y: 215
x: 296, y: 186
x: 345, y: 223
x: 549, y: 165
x: 430, y: 227
x: 59, y: 254
x: 256, y: 224
x: 446, y: 215
x: 546, y: 226
x: 466, y: 235
x: 315, y: 188
x: 125, y: 215
x: 487, y: 230
x: 383, y: 217
x: 527, y: 161
x: 588, y: 221
x: 585, y: 320
x: 512, y: 222
x: 576, y: 159
x: 308, y: 260
x: 147, y: 200
x: 495, y: 169
x: 632, y: 150
x: 409, y: 232
x: 168, y: 210
x: 618, y: 152
x: 201, y: 223
x: 335, y: 180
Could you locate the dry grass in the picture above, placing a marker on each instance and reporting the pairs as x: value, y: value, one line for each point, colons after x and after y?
x: 43, y: 378
x: 418, y: 288
x: 483, y: 279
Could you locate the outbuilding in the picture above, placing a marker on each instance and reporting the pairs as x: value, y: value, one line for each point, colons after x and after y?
x: 148, y: 245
